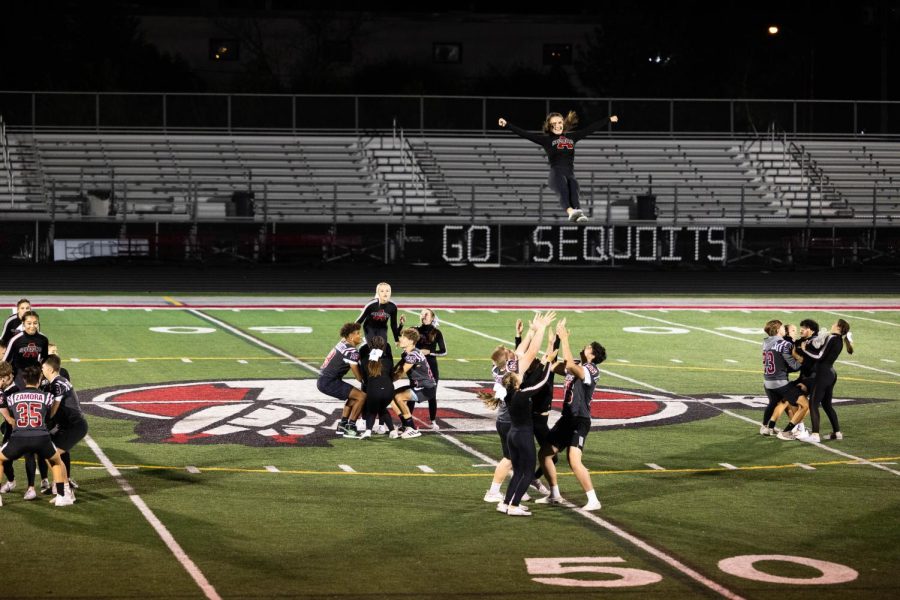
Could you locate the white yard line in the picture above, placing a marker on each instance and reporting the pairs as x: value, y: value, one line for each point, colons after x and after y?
x: 745, y: 340
x: 199, y: 578
x: 857, y: 317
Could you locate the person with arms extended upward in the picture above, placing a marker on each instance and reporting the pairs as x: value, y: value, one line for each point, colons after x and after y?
x: 572, y: 429
x: 558, y: 140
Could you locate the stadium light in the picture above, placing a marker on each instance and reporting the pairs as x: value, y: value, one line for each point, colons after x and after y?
x: 773, y: 29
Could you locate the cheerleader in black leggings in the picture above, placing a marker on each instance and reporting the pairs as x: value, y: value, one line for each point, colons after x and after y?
x: 520, y: 439
x: 558, y: 141
x: 431, y: 345
x: 822, y: 383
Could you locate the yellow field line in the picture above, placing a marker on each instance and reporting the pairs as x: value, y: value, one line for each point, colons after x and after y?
x: 172, y: 301
x: 490, y: 474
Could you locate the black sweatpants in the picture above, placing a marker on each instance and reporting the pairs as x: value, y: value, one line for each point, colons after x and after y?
x: 521, y: 450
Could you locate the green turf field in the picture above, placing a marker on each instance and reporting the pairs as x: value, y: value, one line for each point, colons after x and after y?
x: 214, y: 472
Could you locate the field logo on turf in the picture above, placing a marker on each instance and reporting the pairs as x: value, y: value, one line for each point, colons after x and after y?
x: 275, y: 412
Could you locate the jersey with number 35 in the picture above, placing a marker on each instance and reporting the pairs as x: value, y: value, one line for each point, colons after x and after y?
x: 30, y: 409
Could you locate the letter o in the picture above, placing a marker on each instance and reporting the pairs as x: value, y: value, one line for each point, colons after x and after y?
x: 743, y: 566
x: 656, y: 330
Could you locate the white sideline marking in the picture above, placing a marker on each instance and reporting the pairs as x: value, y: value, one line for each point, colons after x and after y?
x: 655, y: 466
x: 450, y: 310
x: 75, y: 360
x: 703, y: 310
x: 148, y: 310
x: 235, y: 310
x: 579, y: 312
x: 675, y: 360
x: 104, y: 310
x: 186, y: 360
x: 346, y: 468
x: 208, y: 590
x: 729, y: 466
x: 662, y: 310
x: 192, y: 469
x: 479, y: 466
x: 745, y: 311
x: 805, y: 466
x: 61, y: 310
x: 887, y: 360
x: 131, y: 360
x: 493, y: 310
x: 256, y: 341
x: 728, y: 360
x: 131, y: 468
x: 462, y: 360
x: 322, y: 309
x: 242, y: 361
x: 622, y: 360
x: 279, y: 310
x: 745, y: 340
x: 426, y: 469
x: 272, y: 469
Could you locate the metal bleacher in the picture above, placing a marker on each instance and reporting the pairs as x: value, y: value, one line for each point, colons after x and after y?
x: 460, y: 178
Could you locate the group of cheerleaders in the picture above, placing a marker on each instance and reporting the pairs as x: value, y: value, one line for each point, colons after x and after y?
x: 813, y: 355
x: 522, y: 394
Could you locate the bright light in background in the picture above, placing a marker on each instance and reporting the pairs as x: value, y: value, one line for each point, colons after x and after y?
x: 773, y: 30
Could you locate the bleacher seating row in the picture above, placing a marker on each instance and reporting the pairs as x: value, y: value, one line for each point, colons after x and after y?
x: 497, y: 178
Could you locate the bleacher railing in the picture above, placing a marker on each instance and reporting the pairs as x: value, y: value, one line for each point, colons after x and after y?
x: 236, y: 113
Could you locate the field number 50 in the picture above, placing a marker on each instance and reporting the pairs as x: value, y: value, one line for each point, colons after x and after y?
x: 740, y: 566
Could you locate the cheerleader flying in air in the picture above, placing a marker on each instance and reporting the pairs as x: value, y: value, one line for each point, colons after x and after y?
x: 558, y: 140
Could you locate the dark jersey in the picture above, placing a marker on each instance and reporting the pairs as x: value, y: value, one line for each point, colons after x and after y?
x: 520, y: 401
x: 560, y: 149
x: 69, y: 412
x: 578, y: 392
x: 376, y: 318
x: 380, y: 387
x: 777, y: 361
x: 26, y: 350
x: 431, y: 339
x: 30, y: 409
x: 4, y: 426
x: 339, y: 360
x: 420, y: 375
x: 825, y: 356
x: 11, y: 327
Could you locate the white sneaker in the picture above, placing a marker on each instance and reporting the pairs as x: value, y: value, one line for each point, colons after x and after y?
x: 410, y: 433
x: 539, y: 486
x: 73, y: 485
x: 30, y: 494
x: 526, y: 497
x: 379, y: 429
x: 813, y: 438
x: 70, y: 493
x: 802, y: 435
x: 435, y: 426
x: 489, y: 497
x: 394, y: 434
x: 7, y: 487
x: 365, y: 434
x: 764, y: 430
x: 574, y: 215
x: 46, y: 488
x: 581, y: 218
x: 592, y: 505
x: 518, y: 511
x: 837, y: 435
x: 502, y: 507
x: 551, y: 499
x: 63, y: 501
x: 786, y: 435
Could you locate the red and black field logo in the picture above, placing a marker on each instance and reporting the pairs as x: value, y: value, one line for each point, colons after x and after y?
x: 278, y: 412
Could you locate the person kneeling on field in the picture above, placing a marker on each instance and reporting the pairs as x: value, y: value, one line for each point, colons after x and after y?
x: 33, y: 409
x: 421, y: 381
x: 342, y: 358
